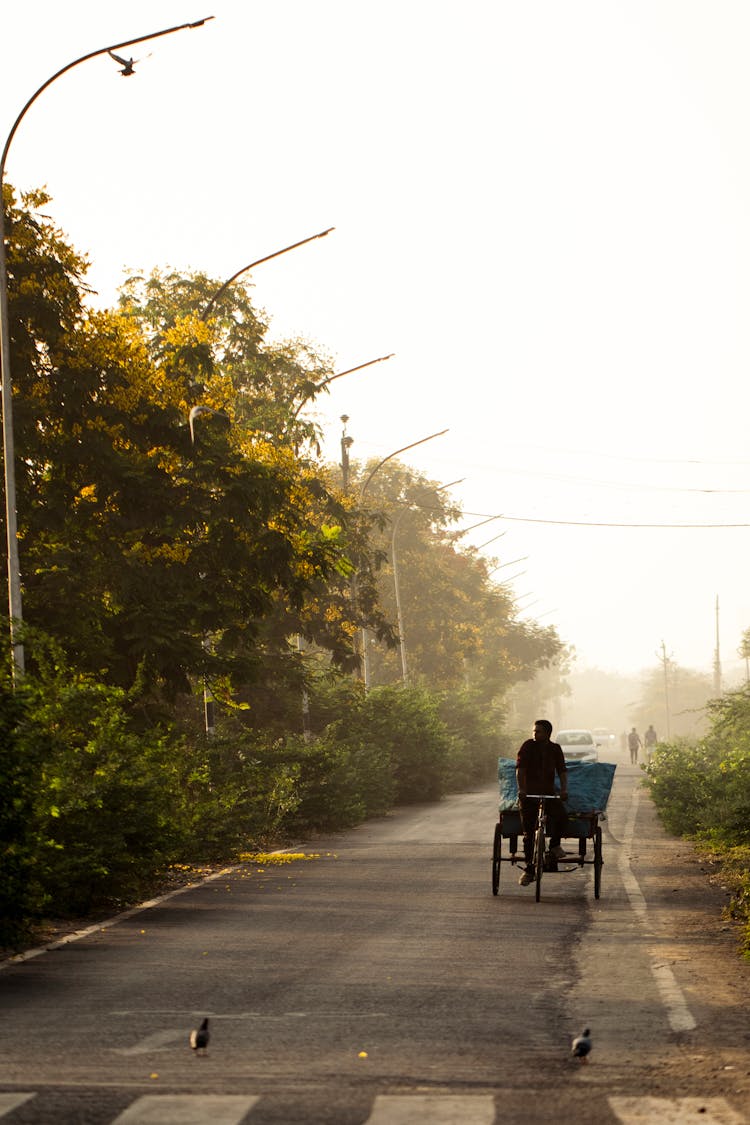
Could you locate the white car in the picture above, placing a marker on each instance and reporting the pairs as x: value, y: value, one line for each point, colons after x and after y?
x: 604, y: 737
x: 577, y: 745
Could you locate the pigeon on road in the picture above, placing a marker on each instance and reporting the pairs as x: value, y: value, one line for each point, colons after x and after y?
x: 199, y: 1038
x: 582, y: 1046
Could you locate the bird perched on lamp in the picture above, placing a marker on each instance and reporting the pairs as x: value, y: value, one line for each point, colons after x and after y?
x: 126, y: 64
x: 581, y: 1047
x: 199, y: 1037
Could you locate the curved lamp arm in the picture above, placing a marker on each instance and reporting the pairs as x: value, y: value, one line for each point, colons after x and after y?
x: 85, y: 58
x: 395, y: 453
x: 338, y: 375
x: 277, y: 254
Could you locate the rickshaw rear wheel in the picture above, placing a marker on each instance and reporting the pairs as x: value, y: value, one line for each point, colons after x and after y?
x: 598, y: 862
x: 497, y: 855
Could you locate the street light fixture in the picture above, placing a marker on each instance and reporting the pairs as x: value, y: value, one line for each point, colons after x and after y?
x: 11, y: 520
x: 522, y: 558
x: 466, y: 530
x: 277, y: 254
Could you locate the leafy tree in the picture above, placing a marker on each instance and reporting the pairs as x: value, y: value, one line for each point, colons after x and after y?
x: 224, y: 360
x: 156, y: 541
x: 265, y: 383
x: 142, y: 536
x: 744, y: 652
x: 460, y: 630
x: 45, y: 285
x: 20, y: 764
x: 478, y: 738
x: 702, y: 787
x: 687, y: 694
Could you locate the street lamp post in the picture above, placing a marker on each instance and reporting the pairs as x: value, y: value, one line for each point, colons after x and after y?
x: 363, y: 490
x: 397, y: 583
x: 15, y: 606
x: 397, y: 592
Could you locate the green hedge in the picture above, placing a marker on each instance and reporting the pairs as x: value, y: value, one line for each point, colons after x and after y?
x: 97, y: 806
x: 702, y: 790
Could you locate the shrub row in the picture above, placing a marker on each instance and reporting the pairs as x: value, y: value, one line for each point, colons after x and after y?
x: 96, y: 810
x: 702, y: 790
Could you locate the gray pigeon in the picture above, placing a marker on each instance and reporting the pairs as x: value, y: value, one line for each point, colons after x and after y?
x: 126, y: 64
x: 582, y: 1046
x: 199, y: 1038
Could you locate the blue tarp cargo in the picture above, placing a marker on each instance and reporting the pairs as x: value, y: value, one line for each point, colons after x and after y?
x: 589, y: 787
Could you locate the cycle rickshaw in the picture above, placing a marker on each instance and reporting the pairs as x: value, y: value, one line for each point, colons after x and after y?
x: 589, y: 786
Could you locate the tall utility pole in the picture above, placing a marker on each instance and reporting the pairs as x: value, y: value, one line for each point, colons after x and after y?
x: 365, y: 640
x: 665, y: 665
x: 717, y: 658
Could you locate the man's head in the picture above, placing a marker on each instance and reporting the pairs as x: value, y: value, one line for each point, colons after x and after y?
x: 542, y: 730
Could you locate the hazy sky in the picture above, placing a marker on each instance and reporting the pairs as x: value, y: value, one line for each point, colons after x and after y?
x: 542, y: 208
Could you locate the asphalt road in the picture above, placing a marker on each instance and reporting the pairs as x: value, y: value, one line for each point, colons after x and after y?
x: 383, y: 983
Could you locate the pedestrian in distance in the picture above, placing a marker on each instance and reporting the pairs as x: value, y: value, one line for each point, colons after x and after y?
x: 649, y: 741
x: 634, y: 744
x: 539, y: 760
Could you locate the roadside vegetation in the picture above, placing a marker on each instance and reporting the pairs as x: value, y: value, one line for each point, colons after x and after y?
x: 702, y: 790
x: 171, y: 556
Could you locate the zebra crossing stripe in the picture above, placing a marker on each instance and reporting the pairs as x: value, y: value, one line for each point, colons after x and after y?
x: 186, y: 1109
x: 404, y: 1109
x: 675, y: 1111
x: 437, y: 1109
x: 9, y: 1102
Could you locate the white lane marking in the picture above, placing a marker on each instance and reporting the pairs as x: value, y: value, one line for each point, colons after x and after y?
x: 9, y: 1102
x: 674, y: 1111
x: 437, y: 1109
x: 679, y: 1015
x: 186, y: 1109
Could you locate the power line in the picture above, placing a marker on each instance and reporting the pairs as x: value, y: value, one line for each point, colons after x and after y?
x: 628, y: 486
x: 624, y: 457
x: 603, y: 523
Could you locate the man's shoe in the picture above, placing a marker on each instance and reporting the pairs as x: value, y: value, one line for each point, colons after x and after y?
x: 527, y: 877
x: 557, y: 853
